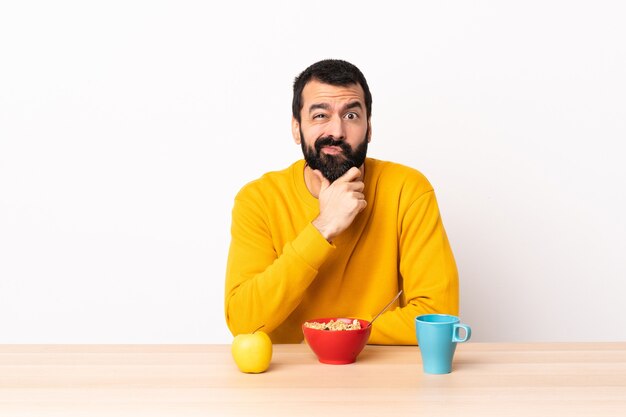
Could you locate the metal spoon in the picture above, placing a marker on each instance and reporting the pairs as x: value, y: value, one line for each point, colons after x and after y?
x: 384, y: 308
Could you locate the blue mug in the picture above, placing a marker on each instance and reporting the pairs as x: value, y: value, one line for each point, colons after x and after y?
x: 437, y: 336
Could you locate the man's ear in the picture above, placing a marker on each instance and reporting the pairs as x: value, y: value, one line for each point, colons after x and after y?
x: 369, y: 131
x: 295, y: 130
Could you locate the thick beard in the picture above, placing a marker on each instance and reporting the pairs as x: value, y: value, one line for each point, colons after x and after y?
x: 333, y: 166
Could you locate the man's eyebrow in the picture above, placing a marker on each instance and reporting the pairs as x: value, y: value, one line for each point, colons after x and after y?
x: 326, y: 106
x: 353, y: 105
x: 315, y: 106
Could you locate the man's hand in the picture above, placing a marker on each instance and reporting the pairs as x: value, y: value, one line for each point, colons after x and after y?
x: 340, y: 202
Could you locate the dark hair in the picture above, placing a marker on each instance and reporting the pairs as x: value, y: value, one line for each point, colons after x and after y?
x: 333, y: 72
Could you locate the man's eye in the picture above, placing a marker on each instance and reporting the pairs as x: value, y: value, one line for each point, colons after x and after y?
x: 319, y: 116
x: 351, y: 116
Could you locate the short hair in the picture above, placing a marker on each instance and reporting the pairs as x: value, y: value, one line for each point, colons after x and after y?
x: 330, y: 71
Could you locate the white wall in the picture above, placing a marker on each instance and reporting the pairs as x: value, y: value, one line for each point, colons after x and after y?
x: 126, y: 128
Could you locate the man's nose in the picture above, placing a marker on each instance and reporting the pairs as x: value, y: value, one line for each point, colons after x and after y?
x: 335, y: 128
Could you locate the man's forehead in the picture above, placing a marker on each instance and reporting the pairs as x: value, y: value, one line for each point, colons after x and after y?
x: 316, y: 91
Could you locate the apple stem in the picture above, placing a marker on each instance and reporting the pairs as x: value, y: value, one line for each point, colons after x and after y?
x: 262, y: 326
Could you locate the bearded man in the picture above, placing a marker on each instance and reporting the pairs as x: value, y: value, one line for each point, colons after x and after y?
x: 337, y: 234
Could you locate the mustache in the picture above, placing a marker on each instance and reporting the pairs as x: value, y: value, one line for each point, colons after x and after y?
x: 330, y: 141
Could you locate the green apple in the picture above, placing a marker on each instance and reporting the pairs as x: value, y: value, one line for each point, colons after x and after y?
x: 252, y: 352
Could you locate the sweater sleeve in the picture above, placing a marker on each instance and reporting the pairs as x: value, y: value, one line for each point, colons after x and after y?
x: 264, y: 285
x: 428, y: 273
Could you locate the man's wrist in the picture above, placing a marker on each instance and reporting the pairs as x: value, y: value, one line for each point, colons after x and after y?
x: 321, y: 227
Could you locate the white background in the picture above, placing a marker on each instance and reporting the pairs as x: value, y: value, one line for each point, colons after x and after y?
x: 126, y: 128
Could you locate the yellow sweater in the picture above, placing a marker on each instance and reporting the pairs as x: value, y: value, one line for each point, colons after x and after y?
x: 281, y: 272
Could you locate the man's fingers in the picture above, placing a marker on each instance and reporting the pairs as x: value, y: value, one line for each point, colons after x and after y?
x: 356, y: 186
x: 362, y: 205
x: 352, y: 174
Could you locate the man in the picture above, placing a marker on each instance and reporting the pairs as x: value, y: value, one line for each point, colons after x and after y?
x: 337, y: 234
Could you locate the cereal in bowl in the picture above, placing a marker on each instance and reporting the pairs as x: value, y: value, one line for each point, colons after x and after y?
x: 334, y: 325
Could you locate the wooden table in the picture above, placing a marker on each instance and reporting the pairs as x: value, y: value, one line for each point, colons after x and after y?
x: 569, y: 379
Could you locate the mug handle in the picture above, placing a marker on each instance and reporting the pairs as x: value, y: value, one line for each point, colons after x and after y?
x: 455, y: 333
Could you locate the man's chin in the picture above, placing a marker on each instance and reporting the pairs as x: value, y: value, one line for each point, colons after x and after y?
x: 333, y: 161
x: 335, y: 172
